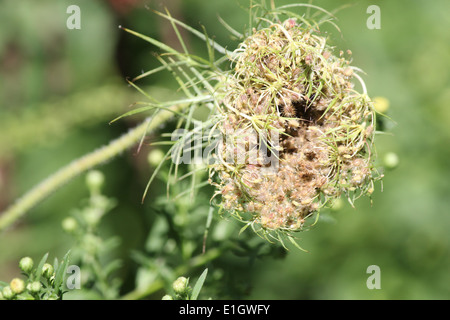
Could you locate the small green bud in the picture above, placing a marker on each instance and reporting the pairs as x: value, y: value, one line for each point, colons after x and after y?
x: 91, y: 243
x: 92, y: 216
x: 47, y: 270
x: 167, y: 297
x: 381, y: 104
x: 180, y: 285
x: 69, y: 225
x: 337, y: 204
x: 95, y: 180
x: 17, y: 285
x: 101, y: 202
x: 26, y: 264
x: 34, y: 286
x: 155, y: 157
x: 391, y: 160
x: 7, y: 293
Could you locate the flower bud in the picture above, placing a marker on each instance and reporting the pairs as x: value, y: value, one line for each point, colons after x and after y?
x: 91, y: 243
x: 391, y: 160
x: 7, y: 293
x: 69, y: 225
x: 26, y: 264
x: 167, y: 297
x: 95, y: 180
x: 34, y: 286
x: 180, y: 285
x: 381, y: 104
x: 47, y: 270
x: 155, y: 157
x: 337, y: 204
x: 17, y: 285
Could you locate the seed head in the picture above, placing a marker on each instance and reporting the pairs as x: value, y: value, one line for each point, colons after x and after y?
x: 291, y: 104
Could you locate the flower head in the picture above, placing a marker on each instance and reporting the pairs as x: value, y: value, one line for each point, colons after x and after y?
x: 296, y: 133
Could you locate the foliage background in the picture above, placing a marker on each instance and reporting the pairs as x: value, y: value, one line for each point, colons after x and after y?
x: 60, y: 88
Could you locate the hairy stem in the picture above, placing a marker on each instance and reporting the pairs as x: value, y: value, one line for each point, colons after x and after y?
x: 86, y: 162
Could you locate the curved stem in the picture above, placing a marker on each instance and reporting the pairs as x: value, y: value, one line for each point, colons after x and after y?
x: 86, y: 162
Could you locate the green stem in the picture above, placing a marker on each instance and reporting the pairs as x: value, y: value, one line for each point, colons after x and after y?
x: 86, y: 162
x: 196, y: 261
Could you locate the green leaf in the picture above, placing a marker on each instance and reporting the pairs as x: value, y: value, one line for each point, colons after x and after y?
x: 198, y: 285
x: 38, y: 271
x: 59, y: 277
x: 3, y: 284
x: 112, y: 266
x: 165, y: 106
x: 197, y: 33
x: 157, y: 43
x: 244, y: 228
x: 229, y: 28
x: 292, y: 240
x: 55, y: 264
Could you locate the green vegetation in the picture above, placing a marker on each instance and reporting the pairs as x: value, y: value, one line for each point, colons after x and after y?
x: 66, y: 93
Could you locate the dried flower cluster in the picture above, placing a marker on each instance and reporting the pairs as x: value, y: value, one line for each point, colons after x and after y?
x: 289, y: 94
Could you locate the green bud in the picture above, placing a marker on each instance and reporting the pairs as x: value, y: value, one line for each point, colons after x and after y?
x: 47, y: 270
x: 91, y: 243
x: 337, y: 204
x: 17, y: 285
x: 26, y: 264
x: 101, y: 202
x: 70, y: 225
x: 381, y: 104
x: 7, y: 293
x: 180, y: 285
x: 95, y: 180
x: 391, y: 160
x: 34, y: 286
x: 92, y: 216
x: 155, y: 157
x: 167, y: 297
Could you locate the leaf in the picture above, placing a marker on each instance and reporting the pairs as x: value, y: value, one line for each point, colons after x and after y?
x: 157, y: 43
x: 112, y: 266
x: 38, y: 270
x: 180, y: 38
x: 291, y: 239
x: 55, y: 264
x: 198, y: 285
x: 197, y: 33
x: 163, y: 106
x: 244, y: 228
x: 3, y: 284
x: 59, y: 277
x: 308, y: 6
x: 229, y: 28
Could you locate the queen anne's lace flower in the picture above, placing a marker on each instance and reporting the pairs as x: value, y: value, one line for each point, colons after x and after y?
x: 290, y: 96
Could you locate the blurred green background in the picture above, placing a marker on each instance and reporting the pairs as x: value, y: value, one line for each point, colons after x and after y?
x: 59, y: 89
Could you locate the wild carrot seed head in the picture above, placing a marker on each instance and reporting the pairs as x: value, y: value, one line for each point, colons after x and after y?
x: 289, y: 96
